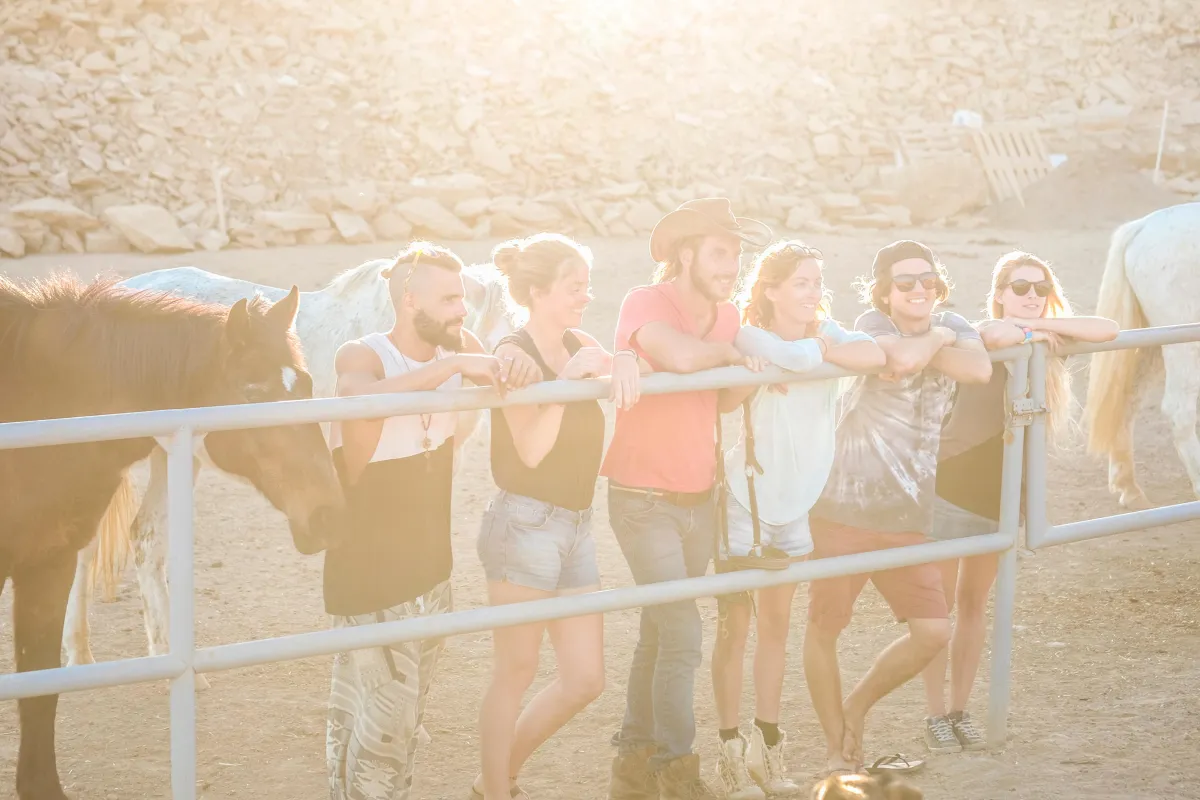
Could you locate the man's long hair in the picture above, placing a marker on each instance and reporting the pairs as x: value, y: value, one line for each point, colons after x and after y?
x: 672, y: 268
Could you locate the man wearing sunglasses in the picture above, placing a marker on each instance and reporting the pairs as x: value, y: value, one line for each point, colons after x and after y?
x: 881, y: 488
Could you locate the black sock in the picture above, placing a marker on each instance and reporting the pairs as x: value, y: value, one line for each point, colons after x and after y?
x: 770, y: 732
x: 729, y: 734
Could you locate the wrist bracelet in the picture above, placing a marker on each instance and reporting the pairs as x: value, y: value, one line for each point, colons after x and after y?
x: 628, y: 350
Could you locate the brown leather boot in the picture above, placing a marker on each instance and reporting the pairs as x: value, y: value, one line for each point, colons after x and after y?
x: 680, y: 780
x: 631, y: 778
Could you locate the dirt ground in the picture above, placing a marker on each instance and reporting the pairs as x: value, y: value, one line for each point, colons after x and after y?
x: 1104, y: 670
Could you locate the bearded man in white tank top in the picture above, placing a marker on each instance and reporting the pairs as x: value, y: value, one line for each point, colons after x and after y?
x: 396, y: 559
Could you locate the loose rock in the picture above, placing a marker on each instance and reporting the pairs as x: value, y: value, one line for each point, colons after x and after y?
x: 58, y: 213
x: 105, y: 241
x: 353, y: 228
x: 149, y: 228
x: 391, y: 227
x: 427, y: 213
x: 11, y: 243
x: 294, y: 221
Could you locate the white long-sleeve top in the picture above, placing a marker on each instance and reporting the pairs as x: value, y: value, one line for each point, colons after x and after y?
x: 793, y: 432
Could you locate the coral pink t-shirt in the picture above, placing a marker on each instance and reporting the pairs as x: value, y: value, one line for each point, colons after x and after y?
x: 666, y: 441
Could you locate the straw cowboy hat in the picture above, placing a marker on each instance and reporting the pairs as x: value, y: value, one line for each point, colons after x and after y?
x: 708, y: 216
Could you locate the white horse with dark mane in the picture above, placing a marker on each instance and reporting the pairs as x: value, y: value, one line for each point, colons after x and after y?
x: 352, y: 305
x: 1152, y: 278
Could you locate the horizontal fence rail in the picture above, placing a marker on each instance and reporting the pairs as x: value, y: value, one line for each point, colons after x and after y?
x: 336, y: 640
x: 180, y: 426
x: 109, y: 427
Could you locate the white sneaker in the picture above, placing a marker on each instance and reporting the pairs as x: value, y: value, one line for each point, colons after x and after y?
x: 766, y: 765
x: 939, y: 735
x: 731, y: 772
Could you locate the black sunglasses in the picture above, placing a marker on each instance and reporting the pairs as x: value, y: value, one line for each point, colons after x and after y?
x: 906, y: 283
x: 1021, y: 286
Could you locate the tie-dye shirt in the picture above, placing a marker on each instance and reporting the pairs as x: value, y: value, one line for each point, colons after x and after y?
x: 886, y: 454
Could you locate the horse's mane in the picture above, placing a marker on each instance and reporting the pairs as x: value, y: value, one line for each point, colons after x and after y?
x: 495, y: 293
x: 149, y: 344
x: 355, y: 277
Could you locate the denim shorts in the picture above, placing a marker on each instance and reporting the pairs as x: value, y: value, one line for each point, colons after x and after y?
x: 537, y: 544
x: 792, y: 538
x: 952, y: 522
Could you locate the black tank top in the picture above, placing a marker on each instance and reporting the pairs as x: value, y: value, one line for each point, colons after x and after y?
x: 397, y: 543
x: 566, y: 477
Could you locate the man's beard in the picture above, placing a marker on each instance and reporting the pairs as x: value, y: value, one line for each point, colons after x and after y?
x: 439, y: 333
x: 707, y: 288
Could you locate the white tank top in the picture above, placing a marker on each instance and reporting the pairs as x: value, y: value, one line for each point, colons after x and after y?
x: 403, y: 437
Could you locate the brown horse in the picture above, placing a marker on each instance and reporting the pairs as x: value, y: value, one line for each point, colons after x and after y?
x: 68, y: 349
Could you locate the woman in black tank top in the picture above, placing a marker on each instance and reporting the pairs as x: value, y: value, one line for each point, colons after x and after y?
x: 535, y: 540
x: 1026, y: 303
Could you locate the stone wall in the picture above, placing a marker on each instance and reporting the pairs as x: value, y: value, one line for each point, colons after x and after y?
x: 212, y: 123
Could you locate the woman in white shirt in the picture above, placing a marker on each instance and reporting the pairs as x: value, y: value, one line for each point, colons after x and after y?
x: 785, y: 313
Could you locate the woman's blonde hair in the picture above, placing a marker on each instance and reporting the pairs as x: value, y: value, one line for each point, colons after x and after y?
x: 1059, y: 398
x: 537, y: 260
x: 771, y: 268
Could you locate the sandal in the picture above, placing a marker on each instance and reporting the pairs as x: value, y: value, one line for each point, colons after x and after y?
x: 895, y: 763
x: 515, y: 792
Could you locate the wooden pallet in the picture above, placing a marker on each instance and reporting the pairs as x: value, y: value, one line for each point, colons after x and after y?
x: 1013, y: 157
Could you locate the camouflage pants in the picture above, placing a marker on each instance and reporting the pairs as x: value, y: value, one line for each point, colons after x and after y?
x: 376, y: 705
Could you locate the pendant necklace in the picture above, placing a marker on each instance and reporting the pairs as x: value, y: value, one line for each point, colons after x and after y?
x: 426, y: 419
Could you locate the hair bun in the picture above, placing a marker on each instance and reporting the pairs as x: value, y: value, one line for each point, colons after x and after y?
x: 506, y: 255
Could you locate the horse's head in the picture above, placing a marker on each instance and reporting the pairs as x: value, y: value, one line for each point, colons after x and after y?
x: 489, y: 314
x: 289, y: 464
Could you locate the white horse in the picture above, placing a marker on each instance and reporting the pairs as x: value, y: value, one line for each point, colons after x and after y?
x: 1152, y: 278
x: 352, y: 305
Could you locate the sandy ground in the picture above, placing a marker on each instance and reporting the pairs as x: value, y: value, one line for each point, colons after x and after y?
x: 1105, y: 669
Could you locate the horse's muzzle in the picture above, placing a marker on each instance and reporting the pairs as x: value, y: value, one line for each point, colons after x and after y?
x: 322, y: 531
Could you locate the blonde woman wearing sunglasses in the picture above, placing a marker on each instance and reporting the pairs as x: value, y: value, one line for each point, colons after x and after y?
x: 1026, y: 303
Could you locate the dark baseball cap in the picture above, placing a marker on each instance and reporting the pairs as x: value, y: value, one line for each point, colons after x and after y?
x: 899, y: 251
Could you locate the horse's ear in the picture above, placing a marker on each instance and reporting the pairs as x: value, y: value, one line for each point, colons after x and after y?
x: 284, y: 312
x: 237, y: 324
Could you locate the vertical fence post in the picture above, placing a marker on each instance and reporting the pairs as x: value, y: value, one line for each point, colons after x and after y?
x: 1036, y: 526
x: 1010, y: 508
x: 182, y: 635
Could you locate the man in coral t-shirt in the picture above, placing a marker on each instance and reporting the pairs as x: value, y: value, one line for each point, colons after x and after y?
x: 661, y: 470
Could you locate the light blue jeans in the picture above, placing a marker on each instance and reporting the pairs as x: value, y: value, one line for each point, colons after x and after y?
x: 533, y: 543
x: 663, y: 542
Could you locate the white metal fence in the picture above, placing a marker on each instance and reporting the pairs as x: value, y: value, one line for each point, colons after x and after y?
x: 184, y: 660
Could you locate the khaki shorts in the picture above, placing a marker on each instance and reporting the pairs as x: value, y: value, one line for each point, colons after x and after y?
x: 914, y: 592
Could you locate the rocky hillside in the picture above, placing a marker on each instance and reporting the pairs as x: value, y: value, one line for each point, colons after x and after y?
x: 210, y: 123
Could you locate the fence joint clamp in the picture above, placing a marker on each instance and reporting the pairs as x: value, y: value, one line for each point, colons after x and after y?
x: 1023, y: 411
